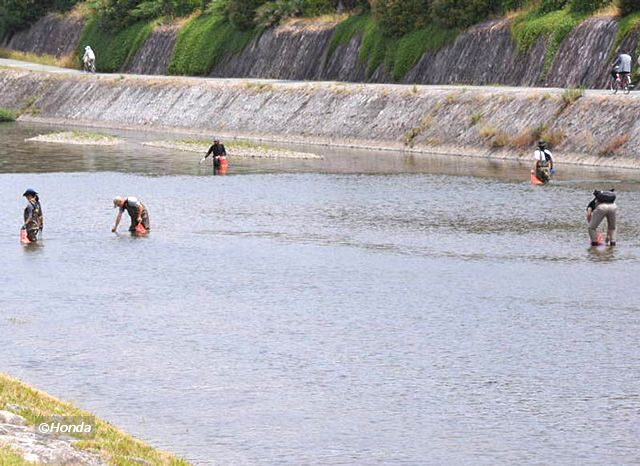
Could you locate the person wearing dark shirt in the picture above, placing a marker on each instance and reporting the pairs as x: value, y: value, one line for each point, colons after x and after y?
x: 603, y: 205
x: 33, y: 218
x: 218, y: 151
x: 136, y: 210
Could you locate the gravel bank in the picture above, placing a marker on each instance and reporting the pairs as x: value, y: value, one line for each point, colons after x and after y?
x: 77, y: 138
x: 235, y: 150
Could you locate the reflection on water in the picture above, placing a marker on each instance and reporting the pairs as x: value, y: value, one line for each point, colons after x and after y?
x: 356, y: 310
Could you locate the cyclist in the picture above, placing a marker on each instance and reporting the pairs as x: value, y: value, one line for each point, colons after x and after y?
x: 89, y: 59
x: 621, y: 67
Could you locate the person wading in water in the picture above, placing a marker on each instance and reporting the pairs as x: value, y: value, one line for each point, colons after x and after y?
x: 219, y: 153
x: 136, y: 210
x: 543, y: 162
x: 603, y: 205
x: 33, y: 218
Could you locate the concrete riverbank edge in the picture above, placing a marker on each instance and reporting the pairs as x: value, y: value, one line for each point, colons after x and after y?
x: 24, y: 410
x: 592, y: 128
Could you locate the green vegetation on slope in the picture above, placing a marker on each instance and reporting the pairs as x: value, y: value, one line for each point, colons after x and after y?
x: 528, y: 28
x: 203, y: 42
x: 347, y: 30
x: 412, y: 46
x: 7, y: 115
x: 626, y: 26
x: 399, y: 55
x: 394, y: 34
x: 114, y: 49
x: 118, y: 446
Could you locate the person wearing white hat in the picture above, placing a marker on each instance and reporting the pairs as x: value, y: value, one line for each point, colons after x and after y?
x: 137, y: 211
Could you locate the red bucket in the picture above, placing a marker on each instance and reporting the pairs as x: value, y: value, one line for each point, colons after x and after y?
x: 23, y: 237
x: 140, y: 230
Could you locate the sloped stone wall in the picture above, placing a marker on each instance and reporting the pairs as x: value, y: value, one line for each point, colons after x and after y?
x: 597, y: 128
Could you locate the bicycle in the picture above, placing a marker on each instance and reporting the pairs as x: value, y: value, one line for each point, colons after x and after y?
x: 89, y: 65
x: 620, y: 82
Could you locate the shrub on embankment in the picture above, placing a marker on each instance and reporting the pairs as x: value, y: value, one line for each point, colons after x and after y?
x: 7, y: 115
x: 555, y: 25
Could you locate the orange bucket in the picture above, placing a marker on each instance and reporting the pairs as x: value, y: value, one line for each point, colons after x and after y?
x: 224, y: 165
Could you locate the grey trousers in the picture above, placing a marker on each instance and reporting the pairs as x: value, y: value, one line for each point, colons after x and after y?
x: 600, y: 212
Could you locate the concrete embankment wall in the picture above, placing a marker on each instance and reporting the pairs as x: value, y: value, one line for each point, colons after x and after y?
x: 484, y: 54
x: 486, y: 122
x: 55, y: 34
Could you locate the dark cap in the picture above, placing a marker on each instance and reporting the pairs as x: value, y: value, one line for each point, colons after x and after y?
x: 30, y: 192
x: 542, y: 143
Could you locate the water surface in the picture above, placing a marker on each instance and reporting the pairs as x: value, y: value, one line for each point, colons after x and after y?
x: 369, y: 308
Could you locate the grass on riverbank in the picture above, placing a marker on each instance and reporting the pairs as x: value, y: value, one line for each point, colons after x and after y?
x: 9, y: 457
x: 86, y: 138
x: 234, y: 144
x: 92, y: 136
x: 67, y: 61
x: 118, y: 447
x: 239, y: 149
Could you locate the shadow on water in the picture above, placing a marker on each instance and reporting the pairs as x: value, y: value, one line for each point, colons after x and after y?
x: 33, y: 248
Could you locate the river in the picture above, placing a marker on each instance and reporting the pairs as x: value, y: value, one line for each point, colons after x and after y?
x: 368, y: 308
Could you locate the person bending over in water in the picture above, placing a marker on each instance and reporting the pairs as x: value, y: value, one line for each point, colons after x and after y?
x: 136, y: 210
x: 544, y: 162
x: 33, y: 218
x: 603, y: 205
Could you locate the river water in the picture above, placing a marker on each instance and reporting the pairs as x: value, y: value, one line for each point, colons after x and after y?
x: 368, y: 308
